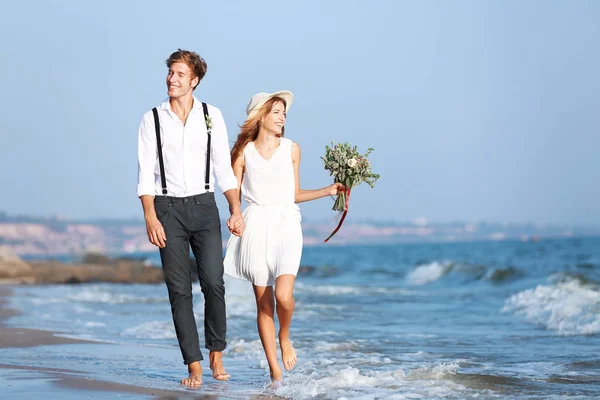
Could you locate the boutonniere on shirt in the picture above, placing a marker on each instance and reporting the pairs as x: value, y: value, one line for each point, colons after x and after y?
x: 209, y: 124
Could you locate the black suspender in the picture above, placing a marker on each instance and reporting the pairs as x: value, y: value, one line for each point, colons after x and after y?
x: 209, y: 133
x: 163, y: 180
x: 161, y: 163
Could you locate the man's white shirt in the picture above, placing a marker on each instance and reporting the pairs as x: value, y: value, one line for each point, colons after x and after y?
x: 184, y: 153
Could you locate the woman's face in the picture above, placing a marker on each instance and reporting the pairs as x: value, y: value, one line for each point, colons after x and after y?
x: 275, y: 119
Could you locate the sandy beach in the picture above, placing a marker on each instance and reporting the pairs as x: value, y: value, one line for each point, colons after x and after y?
x: 28, y: 381
x: 20, y: 337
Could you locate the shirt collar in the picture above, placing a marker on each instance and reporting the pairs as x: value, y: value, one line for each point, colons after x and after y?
x: 166, y: 105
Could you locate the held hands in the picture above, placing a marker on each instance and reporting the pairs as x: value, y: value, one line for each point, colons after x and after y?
x: 156, y: 233
x: 236, y: 224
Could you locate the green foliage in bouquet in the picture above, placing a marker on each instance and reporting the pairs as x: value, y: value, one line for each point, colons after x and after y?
x: 349, y: 167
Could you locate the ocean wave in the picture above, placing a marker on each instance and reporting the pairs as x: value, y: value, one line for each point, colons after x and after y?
x: 428, y: 273
x: 245, y: 349
x: 437, y: 380
x: 566, y: 276
x: 93, y: 324
x: 152, y: 330
x: 97, y: 295
x: 39, y: 301
x: 350, y: 345
x: 501, y: 275
x: 464, y: 272
x: 330, y: 381
x: 435, y: 372
x: 328, y: 289
x: 568, y: 307
x: 332, y: 290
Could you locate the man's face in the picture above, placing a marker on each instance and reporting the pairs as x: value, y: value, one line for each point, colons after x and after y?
x: 180, y: 80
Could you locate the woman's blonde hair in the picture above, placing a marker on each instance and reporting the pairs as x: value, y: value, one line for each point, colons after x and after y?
x: 249, y: 129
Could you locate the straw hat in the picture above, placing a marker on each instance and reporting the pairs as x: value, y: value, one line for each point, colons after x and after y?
x: 259, y: 99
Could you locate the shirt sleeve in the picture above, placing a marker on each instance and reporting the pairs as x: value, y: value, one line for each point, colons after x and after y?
x: 146, y: 156
x: 220, y: 156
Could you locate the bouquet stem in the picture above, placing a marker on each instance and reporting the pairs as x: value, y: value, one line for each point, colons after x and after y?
x: 345, y: 197
x: 340, y: 202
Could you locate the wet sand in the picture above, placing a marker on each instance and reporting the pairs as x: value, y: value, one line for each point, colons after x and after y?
x: 28, y: 381
x: 21, y: 337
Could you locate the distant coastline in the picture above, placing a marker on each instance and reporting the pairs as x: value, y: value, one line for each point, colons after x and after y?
x: 38, y: 237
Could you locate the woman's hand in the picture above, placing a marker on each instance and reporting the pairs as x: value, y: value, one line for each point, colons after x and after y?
x: 335, y: 189
x: 236, y: 224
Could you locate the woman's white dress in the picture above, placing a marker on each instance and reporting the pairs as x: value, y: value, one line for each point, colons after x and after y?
x: 271, y: 244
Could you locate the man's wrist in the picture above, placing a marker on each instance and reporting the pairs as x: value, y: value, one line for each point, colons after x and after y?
x: 150, y: 215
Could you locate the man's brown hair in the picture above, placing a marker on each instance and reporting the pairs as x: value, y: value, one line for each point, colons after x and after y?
x: 192, y: 60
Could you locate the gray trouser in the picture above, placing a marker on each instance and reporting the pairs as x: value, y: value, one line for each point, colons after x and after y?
x: 193, y: 222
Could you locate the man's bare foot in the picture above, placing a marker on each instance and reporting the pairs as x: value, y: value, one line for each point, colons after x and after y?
x: 216, y: 365
x: 288, y: 354
x: 194, y: 379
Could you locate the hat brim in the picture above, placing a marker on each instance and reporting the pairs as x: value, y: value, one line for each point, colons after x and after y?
x: 284, y: 94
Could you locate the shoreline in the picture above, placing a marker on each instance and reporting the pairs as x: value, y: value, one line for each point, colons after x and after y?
x: 69, y: 260
x: 63, y: 379
x: 25, y: 337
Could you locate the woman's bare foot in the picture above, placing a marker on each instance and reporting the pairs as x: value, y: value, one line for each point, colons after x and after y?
x: 216, y: 365
x: 288, y: 354
x: 194, y: 379
x: 276, y: 374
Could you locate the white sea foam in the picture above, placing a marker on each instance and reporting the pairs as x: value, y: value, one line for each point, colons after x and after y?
x: 330, y: 290
x: 427, y: 273
x: 417, y: 356
x: 535, y: 370
x: 40, y: 301
x: 442, y: 371
x: 96, y: 295
x: 349, y: 345
x: 321, y: 306
x: 152, y: 330
x: 417, y: 336
x: 569, y: 307
x: 240, y: 348
x: 92, y: 324
x: 333, y: 290
x: 306, y: 311
x: 331, y: 381
x: 79, y: 309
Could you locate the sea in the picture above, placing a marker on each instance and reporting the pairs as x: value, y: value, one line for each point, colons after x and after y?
x: 478, y: 320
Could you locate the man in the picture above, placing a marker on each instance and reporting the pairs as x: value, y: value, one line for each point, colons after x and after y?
x: 176, y: 187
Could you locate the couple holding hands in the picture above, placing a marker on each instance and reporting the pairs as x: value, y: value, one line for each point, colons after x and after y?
x: 183, y: 149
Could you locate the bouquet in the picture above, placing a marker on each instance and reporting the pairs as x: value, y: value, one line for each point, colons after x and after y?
x: 350, y: 168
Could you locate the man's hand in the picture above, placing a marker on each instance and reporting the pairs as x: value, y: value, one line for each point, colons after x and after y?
x: 236, y: 224
x: 156, y: 233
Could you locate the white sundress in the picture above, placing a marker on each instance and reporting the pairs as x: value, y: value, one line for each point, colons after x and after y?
x: 271, y: 244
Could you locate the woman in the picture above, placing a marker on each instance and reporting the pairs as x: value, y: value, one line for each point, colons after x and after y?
x: 268, y: 252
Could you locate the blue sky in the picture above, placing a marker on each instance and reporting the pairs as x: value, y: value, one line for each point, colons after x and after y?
x: 477, y: 110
